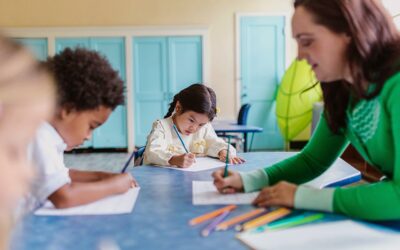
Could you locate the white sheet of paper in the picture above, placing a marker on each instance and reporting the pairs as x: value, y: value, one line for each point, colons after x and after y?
x: 202, y: 163
x: 343, y: 235
x: 205, y: 193
x: 117, y: 204
x: 335, y: 173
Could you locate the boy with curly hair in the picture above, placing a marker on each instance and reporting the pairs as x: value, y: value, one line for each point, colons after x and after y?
x: 88, y: 91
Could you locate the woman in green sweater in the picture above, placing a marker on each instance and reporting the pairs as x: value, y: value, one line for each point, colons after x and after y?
x: 353, y: 47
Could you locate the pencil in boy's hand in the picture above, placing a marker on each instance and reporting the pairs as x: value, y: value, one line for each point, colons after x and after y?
x: 227, y: 158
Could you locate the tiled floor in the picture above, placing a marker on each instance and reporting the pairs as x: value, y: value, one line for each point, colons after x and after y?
x: 110, y: 162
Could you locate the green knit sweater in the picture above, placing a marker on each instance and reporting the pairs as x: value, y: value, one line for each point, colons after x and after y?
x: 374, y: 130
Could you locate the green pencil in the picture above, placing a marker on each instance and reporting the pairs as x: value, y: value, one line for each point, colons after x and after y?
x: 290, y: 222
x: 227, y: 158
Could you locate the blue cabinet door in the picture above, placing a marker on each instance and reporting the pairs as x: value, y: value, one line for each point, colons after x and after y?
x: 38, y: 46
x: 185, y: 62
x: 111, y: 134
x: 150, y: 84
x: 162, y: 67
x: 262, y: 66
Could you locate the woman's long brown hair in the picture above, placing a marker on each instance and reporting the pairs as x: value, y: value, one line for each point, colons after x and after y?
x: 373, y: 54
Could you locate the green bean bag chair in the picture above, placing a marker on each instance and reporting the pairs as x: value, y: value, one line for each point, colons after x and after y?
x: 294, y: 102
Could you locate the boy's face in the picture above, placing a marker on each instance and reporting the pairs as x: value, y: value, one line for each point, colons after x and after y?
x: 77, y: 126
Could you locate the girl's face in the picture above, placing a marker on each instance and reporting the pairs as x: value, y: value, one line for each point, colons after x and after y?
x: 189, y: 122
x: 323, y: 49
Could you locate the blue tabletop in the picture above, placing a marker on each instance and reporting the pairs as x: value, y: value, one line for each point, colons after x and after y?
x: 226, y: 127
x: 159, y: 219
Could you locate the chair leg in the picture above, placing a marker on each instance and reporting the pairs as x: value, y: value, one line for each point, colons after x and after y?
x: 251, y: 142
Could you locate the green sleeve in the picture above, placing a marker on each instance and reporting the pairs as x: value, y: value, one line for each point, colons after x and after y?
x: 379, y: 201
x: 317, y: 156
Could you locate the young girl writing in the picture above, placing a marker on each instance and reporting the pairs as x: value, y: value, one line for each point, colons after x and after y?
x: 186, y: 131
x: 353, y: 47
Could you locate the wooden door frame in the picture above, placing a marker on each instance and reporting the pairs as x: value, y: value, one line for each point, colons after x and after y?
x: 128, y: 33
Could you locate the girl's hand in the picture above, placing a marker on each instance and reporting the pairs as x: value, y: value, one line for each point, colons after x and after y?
x: 183, y: 161
x: 281, y: 194
x: 228, y: 185
x: 232, y: 159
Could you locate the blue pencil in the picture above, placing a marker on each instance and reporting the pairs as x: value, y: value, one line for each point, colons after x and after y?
x: 183, y: 144
x: 127, y: 163
x: 227, y: 158
x: 211, y: 227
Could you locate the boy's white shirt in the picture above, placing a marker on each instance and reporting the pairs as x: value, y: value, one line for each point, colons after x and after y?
x: 163, y: 143
x: 46, y: 153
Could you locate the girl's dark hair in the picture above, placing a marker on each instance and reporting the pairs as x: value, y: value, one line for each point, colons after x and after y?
x: 197, y: 98
x: 373, y: 54
x: 85, y: 80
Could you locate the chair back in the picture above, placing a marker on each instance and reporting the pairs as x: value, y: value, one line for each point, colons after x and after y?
x: 243, y: 114
x: 139, y: 156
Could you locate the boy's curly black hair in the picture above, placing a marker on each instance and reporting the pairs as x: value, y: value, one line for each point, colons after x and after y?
x: 85, y: 80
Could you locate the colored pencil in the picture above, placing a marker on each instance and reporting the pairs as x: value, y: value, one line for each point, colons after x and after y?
x: 180, y: 138
x: 291, y: 222
x: 264, y: 219
x: 127, y: 163
x: 227, y: 158
x: 211, y: 227
x: 239, y: 219
x: 211, y: 215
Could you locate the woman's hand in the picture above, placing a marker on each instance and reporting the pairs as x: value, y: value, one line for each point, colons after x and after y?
x: 281, y: 194
x: 183, y: 161
x: 232, y: 159
x: 228, y: 185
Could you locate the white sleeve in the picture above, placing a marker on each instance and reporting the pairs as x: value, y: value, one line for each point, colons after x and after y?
x: 216, y: 144
x: 156, y: 152
x: 51, y: 173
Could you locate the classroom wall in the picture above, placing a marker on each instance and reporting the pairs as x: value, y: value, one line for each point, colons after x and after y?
x: 218, y: 15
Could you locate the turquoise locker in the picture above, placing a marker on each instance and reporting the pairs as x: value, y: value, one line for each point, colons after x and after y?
x: 38, y: 46
x: 262, y: 66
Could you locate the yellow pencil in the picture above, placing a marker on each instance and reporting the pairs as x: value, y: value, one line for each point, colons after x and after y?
x: 274, y: 215
x: 211, y: 215
x: 226, y: 224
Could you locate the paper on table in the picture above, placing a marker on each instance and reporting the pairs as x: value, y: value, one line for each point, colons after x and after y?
x: 344, y: 235
x: 117, y: 204
x: 205, y: 193
x: 202, y: 163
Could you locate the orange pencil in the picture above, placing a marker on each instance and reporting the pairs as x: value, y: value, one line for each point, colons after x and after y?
x: 226, y: 224
x: 210, y: 215
x: 274, y: 215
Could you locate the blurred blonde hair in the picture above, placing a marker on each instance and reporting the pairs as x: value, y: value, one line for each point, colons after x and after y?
x: 23, y: 80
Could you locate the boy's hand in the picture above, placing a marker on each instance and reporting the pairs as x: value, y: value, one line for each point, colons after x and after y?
x: 183, y: 161
x: 124, y: 182
x: 228, y: 185
x: 232, y: 159
x: 281, y: 194
x: 105, y: 175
